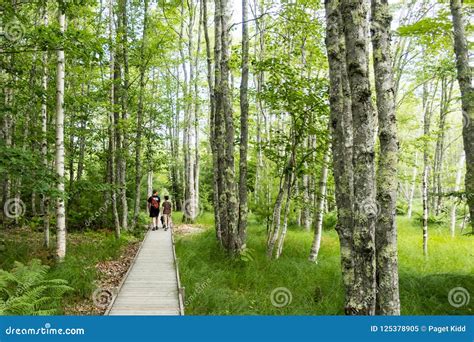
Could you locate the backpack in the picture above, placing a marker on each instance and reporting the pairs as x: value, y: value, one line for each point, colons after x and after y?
x: 155, y: 203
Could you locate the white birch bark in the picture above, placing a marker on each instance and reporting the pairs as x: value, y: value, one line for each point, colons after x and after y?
x: 457, y: 186
x: 411, y: 193
x: 318, y: 222
x: 44, y: 136
x: 60, y: 202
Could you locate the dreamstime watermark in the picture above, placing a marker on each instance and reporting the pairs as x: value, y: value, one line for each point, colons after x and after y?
x: 458, y: 296
x: 191, y: 209
x: 281, y: 297
x: 199, y: 288
x: 466, y: 120
x: 102, y: 297
x: 12, y: 30
x: 14, y: 208
x: 370, y: 208
x: 102, y: 210
x: 46, y: 330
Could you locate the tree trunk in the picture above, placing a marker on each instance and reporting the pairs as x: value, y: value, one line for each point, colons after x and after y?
x: 219, y: 128
x: 388, y: 301
x: 215, y: 190
x: 411, y: 193
x: 60, y: 205
x: 318, y: 221
x: 244, y: 129
x: 426, y: 167
x: 113, y: 118
x: 354, y: 14
x: 341, y: 124
x: 234, y: 244
x: 44, y: 137
x: 138, y: 141
x: 197, y: 107
x: 124, y: 100
x: 276, y: 221
x: 281, y: 238
x: 464, y: 76
x: 456, y: 189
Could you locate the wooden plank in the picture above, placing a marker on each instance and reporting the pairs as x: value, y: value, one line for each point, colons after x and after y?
x: 151, y: 286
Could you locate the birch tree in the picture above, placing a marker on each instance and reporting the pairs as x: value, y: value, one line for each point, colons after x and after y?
x: 60, y: 75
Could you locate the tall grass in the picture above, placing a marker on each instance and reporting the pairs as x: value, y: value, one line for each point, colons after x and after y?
x: 216, y: 284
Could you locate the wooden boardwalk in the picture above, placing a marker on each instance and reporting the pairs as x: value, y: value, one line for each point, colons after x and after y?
x: 151, y: 286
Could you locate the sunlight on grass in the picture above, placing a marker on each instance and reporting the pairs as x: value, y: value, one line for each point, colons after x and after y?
x: 218, y: 285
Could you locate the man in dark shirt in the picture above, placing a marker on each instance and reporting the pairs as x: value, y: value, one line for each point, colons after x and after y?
x: 154, y: 209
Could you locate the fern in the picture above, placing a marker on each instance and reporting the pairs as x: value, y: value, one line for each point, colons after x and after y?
x: 26, y: 291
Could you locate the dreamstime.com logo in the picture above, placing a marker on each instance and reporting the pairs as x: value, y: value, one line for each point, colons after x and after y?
x: 46, y: 330
x: 281, y: 297
x: 458, y: 296
x: 466, y: 120
x: 199, y: 288
x: 370, y: 208
x: 191, y: 209
x: 103, y: 297
x: 14, y: 208
x: 12, y: 30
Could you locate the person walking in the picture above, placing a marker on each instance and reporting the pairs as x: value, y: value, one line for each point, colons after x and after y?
x: 154, y: 209
x: 167, y: 213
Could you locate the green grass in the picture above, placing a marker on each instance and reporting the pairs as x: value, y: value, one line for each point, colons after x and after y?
x: 218, y: 285
x: 84, y: 251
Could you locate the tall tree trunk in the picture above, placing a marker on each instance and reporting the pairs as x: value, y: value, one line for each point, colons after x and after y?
x: 281, y: 238
x: 445, y: 99
x: 60, y: 204
x: 274, y: 232
x: 388, y: 300
x: 219, y: 128
x: 342, y: 141
x: 354, y: 14
x: 244, y: 129
x: 234, y: 243
x: 138, y: 141
x: 113, y: 122
x: 44, y: 136
x: 197, y: 107
x: 318, y: 221
x: 456, y: 189
x: 411, y: 193
x: 123, y: 30
x: 189, y: 208
x: 467, y: 98
x: 426, y: 167
x: 7, y: 135
x: 212, y: 110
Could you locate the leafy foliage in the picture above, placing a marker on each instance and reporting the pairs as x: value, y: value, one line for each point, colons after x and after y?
x: 25, y: 290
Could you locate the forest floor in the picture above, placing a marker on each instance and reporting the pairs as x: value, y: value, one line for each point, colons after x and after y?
x: 218, y: 285
x: 94, y: 265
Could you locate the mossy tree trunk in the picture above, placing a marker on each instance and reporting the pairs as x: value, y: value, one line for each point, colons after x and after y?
x: 464, y: 75
x: 341, y: 127
x: 388, y: 301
